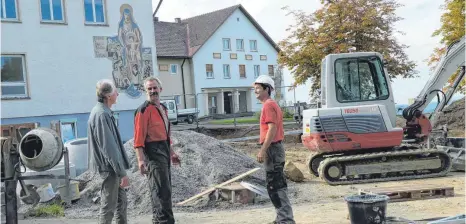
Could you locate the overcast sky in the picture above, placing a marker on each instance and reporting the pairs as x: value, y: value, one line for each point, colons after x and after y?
x: 421, y: 18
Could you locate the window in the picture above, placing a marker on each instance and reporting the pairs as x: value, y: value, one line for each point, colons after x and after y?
x: 171, y: 105
x: 177, y: 99
x: 217, y: 55
x: 271, y: 70
x: 51, y: 10
x: 242, y: 71
x: 239, y: 45
x: 263, y: 57
x: 257, y: 70
x: 173, y: 69
x: 360, y: 79
x: 253, y: 45
x: 209, y: 70
x: 163, y: 67
x: 226, y: 71
x: 14, y: 83
x: 68, y: 129
x: 9, y: 10
x: 94, y: 11
x: 226, y: 44
x: 248, y: 57
x: 233, y: 56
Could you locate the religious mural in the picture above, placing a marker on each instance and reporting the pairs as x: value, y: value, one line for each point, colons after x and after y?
x: 131, y: 62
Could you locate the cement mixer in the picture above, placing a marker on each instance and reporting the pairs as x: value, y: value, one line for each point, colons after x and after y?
x: 40, y: 149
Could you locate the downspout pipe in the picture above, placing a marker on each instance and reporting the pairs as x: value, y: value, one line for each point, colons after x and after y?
x: 157, y: 9
x: 182, y: 80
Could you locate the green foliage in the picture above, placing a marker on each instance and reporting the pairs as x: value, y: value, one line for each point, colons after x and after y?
x: 363, y: 25
x: 287, y: 114
x: 53, y: 210
x: 452, y: 29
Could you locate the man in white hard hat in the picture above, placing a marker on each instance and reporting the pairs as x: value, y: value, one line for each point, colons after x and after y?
x: 272, y: 152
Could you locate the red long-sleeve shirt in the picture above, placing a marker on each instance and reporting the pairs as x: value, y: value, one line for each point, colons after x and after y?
x: 149, y: 125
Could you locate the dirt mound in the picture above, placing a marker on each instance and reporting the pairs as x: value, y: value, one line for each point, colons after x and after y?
x: 205, y: 161
x: 453, y: 116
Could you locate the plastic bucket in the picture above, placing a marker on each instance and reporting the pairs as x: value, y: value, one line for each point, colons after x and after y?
x: 74, y: 190
x: 45, y: 192
x: 367, y: 209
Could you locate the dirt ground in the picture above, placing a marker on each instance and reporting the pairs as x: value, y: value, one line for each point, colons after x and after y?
x: 316, y: 202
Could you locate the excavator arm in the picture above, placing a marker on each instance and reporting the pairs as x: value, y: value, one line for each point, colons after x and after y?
x: 453, y: 59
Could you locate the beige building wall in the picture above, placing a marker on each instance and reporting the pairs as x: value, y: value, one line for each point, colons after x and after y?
x: 170, y: 73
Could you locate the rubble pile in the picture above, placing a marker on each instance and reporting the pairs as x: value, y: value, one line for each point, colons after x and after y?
x: 453, y: 116
x: 205, y: 162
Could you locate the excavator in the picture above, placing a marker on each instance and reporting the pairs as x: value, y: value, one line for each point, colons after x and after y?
x: 353, y: 134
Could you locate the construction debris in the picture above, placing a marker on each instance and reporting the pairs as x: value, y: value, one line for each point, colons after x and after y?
x: 205, y: 162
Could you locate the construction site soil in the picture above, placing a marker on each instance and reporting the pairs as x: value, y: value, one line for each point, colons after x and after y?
x: 206, y: 161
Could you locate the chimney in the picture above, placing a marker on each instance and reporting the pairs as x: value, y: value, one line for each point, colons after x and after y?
x: 178, y: 20
x: 156, y: 19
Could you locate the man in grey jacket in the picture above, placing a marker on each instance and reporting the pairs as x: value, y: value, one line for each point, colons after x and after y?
x: 107, y: 155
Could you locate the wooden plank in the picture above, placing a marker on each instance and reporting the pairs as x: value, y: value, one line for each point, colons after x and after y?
x: 217, y: 186
x: 407, y: 193
x: 405, y: 188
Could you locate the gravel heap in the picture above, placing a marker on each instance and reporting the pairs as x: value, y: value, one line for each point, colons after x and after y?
x: 205, y: 161
x: 453, y: 116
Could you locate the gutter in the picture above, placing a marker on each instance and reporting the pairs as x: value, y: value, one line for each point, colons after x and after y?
x: 182, y: 80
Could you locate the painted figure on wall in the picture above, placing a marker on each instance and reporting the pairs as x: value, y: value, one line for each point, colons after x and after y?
x: 131, y: 62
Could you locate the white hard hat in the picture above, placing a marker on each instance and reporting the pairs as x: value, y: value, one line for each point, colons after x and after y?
x: 265, y: 79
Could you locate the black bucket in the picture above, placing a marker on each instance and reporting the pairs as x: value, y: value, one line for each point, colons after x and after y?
x: 367, y: 209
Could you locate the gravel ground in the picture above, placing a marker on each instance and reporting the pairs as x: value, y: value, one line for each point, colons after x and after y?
x: 205, y: 161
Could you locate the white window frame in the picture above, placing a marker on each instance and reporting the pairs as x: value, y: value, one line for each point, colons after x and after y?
x: 104, y: 8
x: 253, y: 41
x: 206, y: 72
x: 52, y: 20
x: 171, y: 69
x: 16, y: 19
x: 23, y: 83
x: 179, y: 99
x: 229, y: 44
x: 226, y: 76
x: 242, y: 45
x: 258, y: 71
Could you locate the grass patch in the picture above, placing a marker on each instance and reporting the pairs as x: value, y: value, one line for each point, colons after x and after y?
x: 53, y: 210
x: 243, y: 120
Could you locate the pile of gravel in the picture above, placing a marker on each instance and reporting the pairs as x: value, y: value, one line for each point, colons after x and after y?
x: 205, y: 162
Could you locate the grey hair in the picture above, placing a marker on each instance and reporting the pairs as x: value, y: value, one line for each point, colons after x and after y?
x: 104, y: 88
x: 150, y: 79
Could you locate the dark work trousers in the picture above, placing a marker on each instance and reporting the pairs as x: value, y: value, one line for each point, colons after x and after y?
x: 158, y: 156
x: 276, y: 183
x: 112, y: 197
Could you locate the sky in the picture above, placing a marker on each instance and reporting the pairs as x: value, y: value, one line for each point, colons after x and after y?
x: 420, y: 19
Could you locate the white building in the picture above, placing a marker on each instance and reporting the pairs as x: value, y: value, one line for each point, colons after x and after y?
x: 55, y: 51
x: 222, y: 52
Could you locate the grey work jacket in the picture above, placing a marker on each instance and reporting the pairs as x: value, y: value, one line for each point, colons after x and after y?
x: 106, y: 151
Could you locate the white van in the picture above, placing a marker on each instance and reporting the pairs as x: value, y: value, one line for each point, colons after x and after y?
x: 175, y: 115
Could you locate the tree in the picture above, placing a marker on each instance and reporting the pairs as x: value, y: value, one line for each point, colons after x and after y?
x: 452, y: 29
x: 341, y: 25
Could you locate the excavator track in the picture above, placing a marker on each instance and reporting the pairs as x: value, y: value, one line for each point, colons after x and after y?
x: 385, y: 166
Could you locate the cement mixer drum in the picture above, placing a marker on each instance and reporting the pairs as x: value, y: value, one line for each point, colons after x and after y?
x: 41, y: 149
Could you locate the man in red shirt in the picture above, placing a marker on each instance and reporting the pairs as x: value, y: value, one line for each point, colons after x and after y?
x: 153, y: 150
x: 272, y: 152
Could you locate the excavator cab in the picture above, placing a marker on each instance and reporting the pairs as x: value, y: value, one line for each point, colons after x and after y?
x: 357, y: 107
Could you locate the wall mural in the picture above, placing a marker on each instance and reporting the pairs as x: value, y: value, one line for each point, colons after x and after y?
x: 131, y: 62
